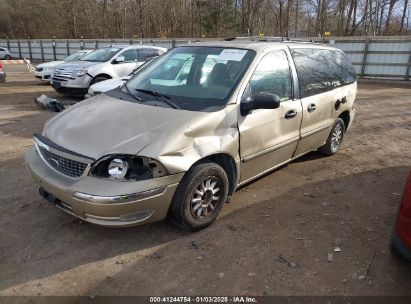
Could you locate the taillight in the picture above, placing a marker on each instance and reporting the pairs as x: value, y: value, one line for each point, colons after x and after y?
x: 403, y: 227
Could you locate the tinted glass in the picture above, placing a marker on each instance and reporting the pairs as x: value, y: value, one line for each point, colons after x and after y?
x: 344, y: 71
x: 194, y: 77
x: 146, y: 54
x: 272, y: 75
x: 321, y: 70
x: 130, y: 55
x: 75, y: 56
x: 101, y: 55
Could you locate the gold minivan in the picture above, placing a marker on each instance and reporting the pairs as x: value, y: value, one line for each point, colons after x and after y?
x: 179, y: 137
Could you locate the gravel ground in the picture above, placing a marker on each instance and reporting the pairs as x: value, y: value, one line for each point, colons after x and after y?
x: 274, y: 238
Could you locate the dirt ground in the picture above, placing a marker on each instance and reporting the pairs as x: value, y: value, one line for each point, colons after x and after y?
x: 272, y: 239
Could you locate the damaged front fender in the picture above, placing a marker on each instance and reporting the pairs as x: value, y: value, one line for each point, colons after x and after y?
x: 212, y: 133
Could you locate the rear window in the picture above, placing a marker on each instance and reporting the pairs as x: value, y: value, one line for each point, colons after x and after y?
x: 321, y: 70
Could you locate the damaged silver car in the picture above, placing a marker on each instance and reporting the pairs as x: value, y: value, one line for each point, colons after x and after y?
x: 179, y: 137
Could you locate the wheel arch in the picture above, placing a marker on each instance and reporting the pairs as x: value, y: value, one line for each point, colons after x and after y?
x: 345, y: 116
x: 228, y: 163
x: 103, y: 75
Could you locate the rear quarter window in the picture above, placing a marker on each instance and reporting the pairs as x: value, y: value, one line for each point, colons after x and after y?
x: 321, y: 70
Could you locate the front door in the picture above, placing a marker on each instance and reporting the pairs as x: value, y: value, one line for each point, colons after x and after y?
x: 269, y: 137
x: 128, y: 65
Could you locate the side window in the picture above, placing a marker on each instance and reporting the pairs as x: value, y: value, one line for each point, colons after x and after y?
x: 321, y: 70
x: 130, y: 55
x: 344, y: 71
x: 272, y: 75
x: 146, y: 54
x: 2, y: 50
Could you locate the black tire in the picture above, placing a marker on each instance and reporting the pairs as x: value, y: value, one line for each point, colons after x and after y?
x: 7, y: 57
x: 182, y: 210
x: 331, y: 147
x: 98, y: 79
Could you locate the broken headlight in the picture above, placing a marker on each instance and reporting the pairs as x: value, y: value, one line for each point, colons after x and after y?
x: 128, y: 167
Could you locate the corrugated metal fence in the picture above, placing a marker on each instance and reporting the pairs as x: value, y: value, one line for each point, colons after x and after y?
x: 387, y: 57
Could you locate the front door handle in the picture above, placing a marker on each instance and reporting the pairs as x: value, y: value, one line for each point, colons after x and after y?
x: 311, y: 107
x: 290, y: 114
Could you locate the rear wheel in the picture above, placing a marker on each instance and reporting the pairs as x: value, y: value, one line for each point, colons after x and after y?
x: 199, y: 197
x: 335, y: 138
x: 7, y: 57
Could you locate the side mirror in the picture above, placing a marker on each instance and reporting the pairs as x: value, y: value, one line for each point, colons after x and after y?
x: 260, y: 101
x: 119, y: 59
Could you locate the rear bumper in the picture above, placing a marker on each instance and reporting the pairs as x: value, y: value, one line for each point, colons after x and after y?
x: 101, y: 201
x: 398, y: 247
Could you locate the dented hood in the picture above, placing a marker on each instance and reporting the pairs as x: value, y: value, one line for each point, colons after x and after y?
x: 76, y: 65
x: 104, y: 125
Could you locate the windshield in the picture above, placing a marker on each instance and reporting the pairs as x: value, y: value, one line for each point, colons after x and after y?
x: 75, y: 56
x: 101, y: 55
x: 194, y: 78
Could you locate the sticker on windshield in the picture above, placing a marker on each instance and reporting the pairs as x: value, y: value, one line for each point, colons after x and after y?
x: 232, y: 54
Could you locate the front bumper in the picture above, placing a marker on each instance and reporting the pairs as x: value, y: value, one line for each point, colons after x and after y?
x: 399, y: 248
x: 43, y: 75
x: 82, y: 82
x: 101, y: 201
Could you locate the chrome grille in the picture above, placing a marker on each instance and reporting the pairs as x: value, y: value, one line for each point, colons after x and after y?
x: 63, y: 165
x: 62, y: 75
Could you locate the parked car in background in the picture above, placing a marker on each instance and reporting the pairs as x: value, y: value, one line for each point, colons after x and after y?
x: 167, y: 145
x: 44, y: 70
x: 401, y: 238
x: 75, y: 78
x: 5, y: 53
x: 109, y: 84
x: 2, y: 73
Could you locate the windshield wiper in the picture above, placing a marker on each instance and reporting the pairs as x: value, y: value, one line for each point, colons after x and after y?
x: 164, y: 98
x: 131, y: 94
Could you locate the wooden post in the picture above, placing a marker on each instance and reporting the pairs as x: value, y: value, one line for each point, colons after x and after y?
x: 53, y: 43
x: 30, y: 53
x: 42, y: 50
x: 18, y: 44
x: 407, y: 76
x: 364, y: 58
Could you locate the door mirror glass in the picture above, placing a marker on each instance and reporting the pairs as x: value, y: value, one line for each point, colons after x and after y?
x: 261, y: 100
x: 119, y: 59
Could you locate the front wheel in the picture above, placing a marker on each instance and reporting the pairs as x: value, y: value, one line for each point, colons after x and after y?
x: 199, y: 197
x: 335, y: 138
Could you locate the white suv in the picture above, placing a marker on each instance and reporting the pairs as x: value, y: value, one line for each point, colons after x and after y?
x: 74, y: 78
x: 44, y: 70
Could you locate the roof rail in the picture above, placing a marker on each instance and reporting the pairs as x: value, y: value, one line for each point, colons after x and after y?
x: 256, y: 38
x: 271, y: 38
